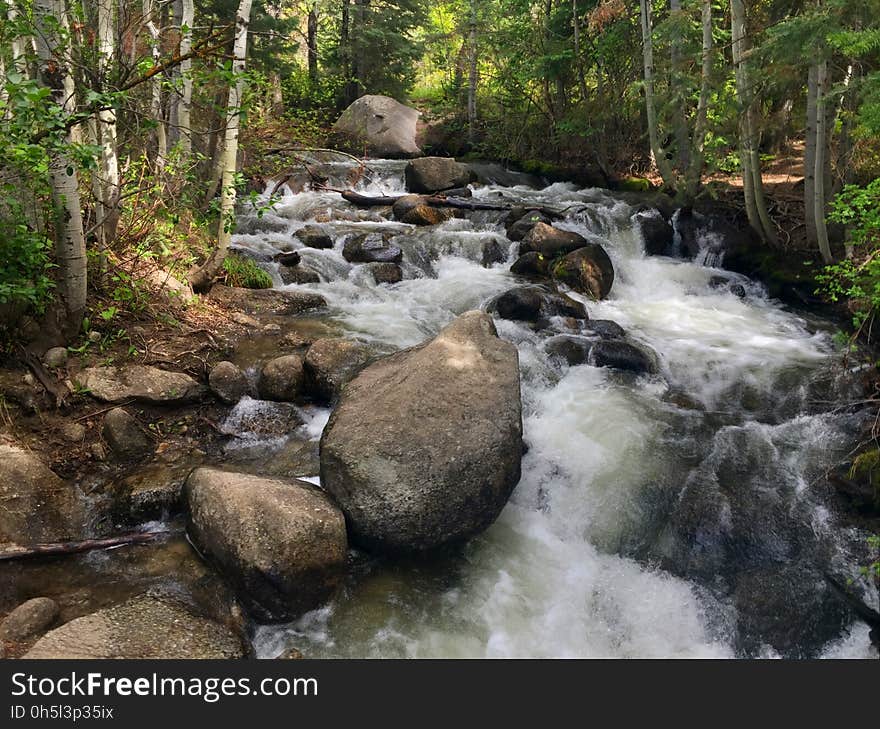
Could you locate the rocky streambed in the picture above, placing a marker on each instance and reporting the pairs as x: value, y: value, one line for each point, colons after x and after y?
x: 541, y: 425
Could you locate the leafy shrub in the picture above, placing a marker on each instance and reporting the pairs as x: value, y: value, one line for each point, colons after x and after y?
x: 244, y: 273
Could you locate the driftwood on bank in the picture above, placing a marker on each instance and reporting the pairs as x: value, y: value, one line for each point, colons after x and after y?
x: 86, y: 545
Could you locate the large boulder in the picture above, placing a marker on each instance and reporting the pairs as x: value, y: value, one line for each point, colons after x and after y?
x: 522, y: 225
x: 551, y: 242
x: 298, y: 274
x: 531, y: 265
x: 332, y: 363
x: 313, y: 236
x: 371, y: 248
x: 141, y: 383
x: 587, y: 270
x: 424, y: 447
x: 380, y: 125
x: 228, y: 382
x: 435, y: 174
x: 36, y: 505
x: 124, y: 435
x: 281, y: 543
x: 413, y: 210
x: 144, y: 627
x: 622, y: 355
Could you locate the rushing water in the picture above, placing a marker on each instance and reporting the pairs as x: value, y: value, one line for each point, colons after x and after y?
x: 673, y: 515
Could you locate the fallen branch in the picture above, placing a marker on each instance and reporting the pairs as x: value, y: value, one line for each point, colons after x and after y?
x: 868, y: 614
x: 86, y: 545
x: 53, y: 386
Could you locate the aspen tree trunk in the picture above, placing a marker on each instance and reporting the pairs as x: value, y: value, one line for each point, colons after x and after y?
x: 106, y: 127
x: 184, y: 103
x: 819, y: 170
x: 472, y: 74
x: 810, y: 156
x: 697, y: 156
x: 682, y: 140
x: 202, y: 278
x: 70, y: 247
x: 156, y: 87
x: 657, y: 152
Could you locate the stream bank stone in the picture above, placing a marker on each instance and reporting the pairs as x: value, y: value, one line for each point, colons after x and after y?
x: 266, y: 301
x: 124, y: 435
x: 424, y: 447
x: 35, y: 504
x: 332, y: 363
x: 29, y: 619
x: 228, y: 382
x: 143, y: 627
x: 281, y: 543
x: 282, y: 378
x: 141, y: 383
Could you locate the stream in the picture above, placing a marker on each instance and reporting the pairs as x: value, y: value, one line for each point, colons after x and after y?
x: 666, y: 516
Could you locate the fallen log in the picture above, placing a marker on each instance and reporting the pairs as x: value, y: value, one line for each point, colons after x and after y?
x: 86, y: 545
x: 865, y: 612
x: 436, y: 201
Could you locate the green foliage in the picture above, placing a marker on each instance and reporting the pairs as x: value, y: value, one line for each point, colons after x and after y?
x: 244, y: 273
x: 857, y: 280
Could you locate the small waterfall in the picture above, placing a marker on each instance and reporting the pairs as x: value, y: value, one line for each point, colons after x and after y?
x: 672, y: 515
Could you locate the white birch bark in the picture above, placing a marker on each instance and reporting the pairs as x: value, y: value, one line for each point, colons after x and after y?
x: 657, y: 152
x: 184, y: 106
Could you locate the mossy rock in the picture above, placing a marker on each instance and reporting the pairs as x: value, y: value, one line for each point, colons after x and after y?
x: 635, y: 184
x: 244, y: 273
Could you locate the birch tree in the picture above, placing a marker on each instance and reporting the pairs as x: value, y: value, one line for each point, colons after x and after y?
x: 70, y: 247
x: 108, y: 189
x: 202, y: 277
x: 657, y: 152
x: 184, y: 100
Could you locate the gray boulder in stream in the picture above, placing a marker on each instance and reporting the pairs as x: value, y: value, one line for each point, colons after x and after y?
x: 424, y: 447
x: 379, y: 124
x: 435, y: 174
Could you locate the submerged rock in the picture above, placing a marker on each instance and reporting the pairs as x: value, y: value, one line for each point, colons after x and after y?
x: 29, y: 619
x: 35, y: 504
x: 385, y: 273
x: 424, y: 446
x: 371, y: 248
x: 656, y: 232
x: 313, y: 236
x: 281, y: 543
x: 143, y: 627
x: 529, y: 303
x: 379, y: 124
x: 298, y: 275
x: 573, y: 350
x: 332, y: 363
x: 435, y: 174
x: 605, y: 328
x: 621, y: 355
x: 587, y: 270
x: 140, y: 383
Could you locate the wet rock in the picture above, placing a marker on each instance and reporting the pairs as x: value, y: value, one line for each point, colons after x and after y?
x: 531, y: 265
x: 492, y: 251
x: 459, y: 192
x: 656, y: 232
x: 312, y: 236
x: 123, y: 434
x: 788, y: 607
x: 522, y: 226
x: 587, y: 270
x: 371, y: 248
x: 738, y: 290
x: 424, y: 446
x: 36, y: 505
x: 261, y: 419
x: 282, y: 378
x: 435, y: 174
x: 266, y: 301
x: 55, y: 357
x: 244, y: 320
x: 413, y: 210
x: 385, y: 273
x: 253, y: 224
x: 380, y: 125
x: 332, y: 363
x: 28, y: 620
x: 141, y: 383
x: 551, y: 242
x: 291, y: 259
x: 228, y: 382
x: 298, y: 275
x: 143, y: 627
x: 281, y: 543
x: 573, y: 350
x: 152, y: 493
x: 605, y: 328
x: 621, y: 355
x: 529, y: 303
